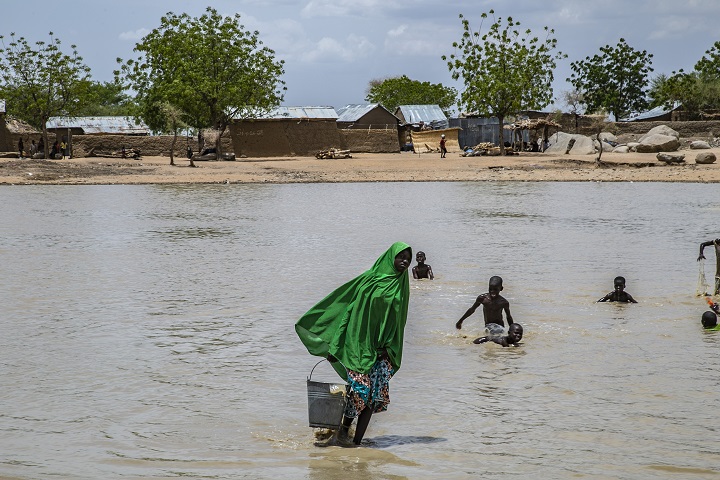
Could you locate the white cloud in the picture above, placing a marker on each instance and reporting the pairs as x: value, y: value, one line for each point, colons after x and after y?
x: 329, y: 49
x: 134, y: 35
x: 346, y: 8
x: 397, y: 32
x: 418, y: 39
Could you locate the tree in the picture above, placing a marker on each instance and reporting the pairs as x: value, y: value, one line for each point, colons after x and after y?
x: 710, y: 67
x: 574, y: 100
x: 210, y: 68
x: 697, y: 91
x: 614, y: 80
x: 505, y: 71
x: 173, y: 123
x: 106, y: 99
x: 396, y: 91
x: 41, y: 82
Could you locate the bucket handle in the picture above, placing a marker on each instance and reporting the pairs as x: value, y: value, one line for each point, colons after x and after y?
x: 318, y: 363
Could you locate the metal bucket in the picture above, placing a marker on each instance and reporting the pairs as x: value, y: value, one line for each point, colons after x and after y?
x: 326, y: 402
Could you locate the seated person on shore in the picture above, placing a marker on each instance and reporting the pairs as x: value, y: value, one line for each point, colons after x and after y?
x: 422, y: 270
x: 493, y: 305
x: 619, y: 294
x: 513, y: 337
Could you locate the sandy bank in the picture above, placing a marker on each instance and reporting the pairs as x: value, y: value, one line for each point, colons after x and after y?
x: 400, y: 167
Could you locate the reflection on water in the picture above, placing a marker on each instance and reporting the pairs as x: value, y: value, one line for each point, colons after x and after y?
x: 147, y: 330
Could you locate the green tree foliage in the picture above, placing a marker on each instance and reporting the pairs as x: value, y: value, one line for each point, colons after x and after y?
x: 505, y: 70
x: 40, y: 81
x: 680, y: 87
x: 209, y: 67
x: 697, y: 91
x: 614, y: 79
x: 709, y: 67
x: 396, y: 91
x: 105, y: 99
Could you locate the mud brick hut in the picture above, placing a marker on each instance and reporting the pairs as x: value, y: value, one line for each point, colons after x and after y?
x: 286, y: 131
x: 369, y: 128
x: 85, y: 135
x: 12, y: 130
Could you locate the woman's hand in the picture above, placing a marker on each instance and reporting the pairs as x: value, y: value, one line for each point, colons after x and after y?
x: 331, y: 359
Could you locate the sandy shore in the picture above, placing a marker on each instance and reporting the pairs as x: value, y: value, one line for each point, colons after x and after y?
x: 406, y: 167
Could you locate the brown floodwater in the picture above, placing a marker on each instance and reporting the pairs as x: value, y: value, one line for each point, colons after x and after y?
x: 147, y: 331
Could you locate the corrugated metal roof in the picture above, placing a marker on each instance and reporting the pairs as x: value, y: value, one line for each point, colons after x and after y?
x: 652, y: 113
x: 431, y: 114
x: 318, y: 113
x: 90, y: 125
x: 354, y: 112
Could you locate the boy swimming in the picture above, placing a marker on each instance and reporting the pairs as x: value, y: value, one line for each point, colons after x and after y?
x: 709, y: 318
x: 493, y: 305
x: 513, y: 337
x: 619, y: 294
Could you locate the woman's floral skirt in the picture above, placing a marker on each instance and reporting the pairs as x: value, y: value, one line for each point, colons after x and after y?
x: 369, y: 390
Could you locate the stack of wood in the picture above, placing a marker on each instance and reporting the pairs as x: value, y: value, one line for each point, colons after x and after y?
x: 479, y: 149
x: 333, y: 153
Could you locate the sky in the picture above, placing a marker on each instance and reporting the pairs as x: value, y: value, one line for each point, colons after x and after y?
x: 333, y: 48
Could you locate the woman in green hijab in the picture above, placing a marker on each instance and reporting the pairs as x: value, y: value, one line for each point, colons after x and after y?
x: 359, y: 327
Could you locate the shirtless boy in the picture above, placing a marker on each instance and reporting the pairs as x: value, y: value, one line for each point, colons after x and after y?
x: 619, y: 294
x: 493, y: 305
x: 422, y: 269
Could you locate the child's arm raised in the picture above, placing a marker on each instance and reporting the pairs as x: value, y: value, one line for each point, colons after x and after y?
x: 470, y: 311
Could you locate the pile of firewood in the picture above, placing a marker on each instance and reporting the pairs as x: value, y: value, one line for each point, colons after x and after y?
x: 333, y: 153
x: 479, y: 149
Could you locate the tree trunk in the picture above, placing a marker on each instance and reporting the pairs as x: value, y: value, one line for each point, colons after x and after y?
x: 218, y: 142
x: 172, y: 147
x: 46, y: 147
x: 501, y: 138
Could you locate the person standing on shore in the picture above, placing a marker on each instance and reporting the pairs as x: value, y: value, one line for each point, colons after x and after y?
x: 21, y: 147
x: 360, y: 329
x: 716, y: 243
x: 443, y: 150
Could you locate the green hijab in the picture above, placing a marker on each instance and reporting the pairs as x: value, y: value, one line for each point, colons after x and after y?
x: 359, y: 318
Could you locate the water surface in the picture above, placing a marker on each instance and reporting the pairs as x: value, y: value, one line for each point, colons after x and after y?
x: 147, y: 331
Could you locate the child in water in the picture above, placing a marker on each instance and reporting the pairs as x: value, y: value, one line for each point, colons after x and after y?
x: 513, y: 337
x: 709, y: 318
x: 619, y: 294
x: 493, y: 305
x: 422, y: 270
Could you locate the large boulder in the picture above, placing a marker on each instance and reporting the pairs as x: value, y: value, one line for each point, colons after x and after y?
x: 632, y: 146
x: 608, y: 137
x: 658, y: 143
x: 561, y: 141
x: 660, y: 130
x: 699, y: 145
x: 671, y: 157
x: 705, y: 158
